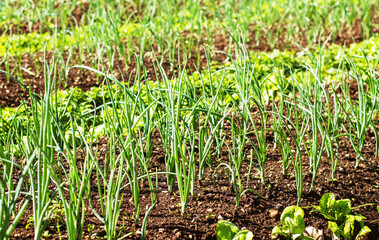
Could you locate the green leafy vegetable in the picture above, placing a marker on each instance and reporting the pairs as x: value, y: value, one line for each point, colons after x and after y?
x: 244, y: 235
x: 332, y: 209
x: 228, y: 231
x: 292, y: 220
x: 341, y: 222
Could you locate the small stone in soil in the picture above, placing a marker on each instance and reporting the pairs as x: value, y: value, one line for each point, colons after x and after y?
x: 278, y: 206
x: 273, y: 213
x: 178, y: 235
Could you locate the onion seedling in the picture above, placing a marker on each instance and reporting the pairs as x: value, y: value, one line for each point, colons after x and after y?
x: 236, y: 182
x: 360, y: 117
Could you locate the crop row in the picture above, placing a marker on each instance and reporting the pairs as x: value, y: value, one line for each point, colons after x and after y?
x: 107, y: 25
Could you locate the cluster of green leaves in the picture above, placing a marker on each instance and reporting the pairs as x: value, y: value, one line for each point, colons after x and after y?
x: 78, y: 37
x: 293, y: 226
x: 341, y: 222
x: 226, y: 230
x: 71, y: 102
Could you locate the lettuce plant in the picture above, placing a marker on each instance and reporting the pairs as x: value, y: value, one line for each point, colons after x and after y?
x: 347, y: 230
x: 228, y: 231
x: 341, y: 222
x: 292, y: 220
x: 332, y: 209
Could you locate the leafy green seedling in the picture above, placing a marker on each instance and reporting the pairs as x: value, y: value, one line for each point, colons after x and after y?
x: 332, y: 209
x: 347, y: 229
x: 228, y: 231
x: 341, y: 223
x: 244, y: 235
x: 292, y: 220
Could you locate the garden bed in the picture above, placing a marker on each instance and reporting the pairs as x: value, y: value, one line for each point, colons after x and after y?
x: 157, y: 117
